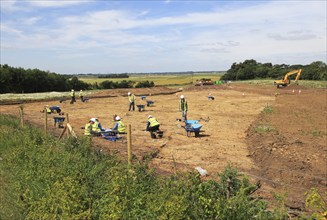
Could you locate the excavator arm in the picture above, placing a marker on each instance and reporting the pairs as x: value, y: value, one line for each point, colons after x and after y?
x: 285, y: 81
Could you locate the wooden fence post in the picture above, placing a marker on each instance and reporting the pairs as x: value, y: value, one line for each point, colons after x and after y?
x: 67, y: 119
x: 21, y: 113
x: 67, y: 122
x: 45, y: 120
x: 129, y: 144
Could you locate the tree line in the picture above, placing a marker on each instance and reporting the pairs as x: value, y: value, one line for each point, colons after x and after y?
x: 122, y: 75
x: 20, y: 80
x: 251, y: 69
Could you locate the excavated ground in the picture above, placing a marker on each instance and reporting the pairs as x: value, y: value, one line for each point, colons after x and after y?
x: 275, y: 136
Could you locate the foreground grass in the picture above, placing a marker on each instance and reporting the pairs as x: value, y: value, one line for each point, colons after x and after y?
x: 45, y: 179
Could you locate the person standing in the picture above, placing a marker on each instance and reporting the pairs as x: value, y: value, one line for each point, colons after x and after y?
x: 72, y: 97
x: 131, y: 98
x: 81, y: 95
x: 183, y: 107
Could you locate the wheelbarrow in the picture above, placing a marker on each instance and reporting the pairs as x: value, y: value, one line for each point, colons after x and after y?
x: 59, y: 120
x: 149, y: 103
x: 140, y: 107
x: 55, y: 109
x: 192, y: 126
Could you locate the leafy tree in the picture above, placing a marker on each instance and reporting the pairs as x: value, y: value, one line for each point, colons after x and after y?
x: 251, y: 69
x: 145, y: 84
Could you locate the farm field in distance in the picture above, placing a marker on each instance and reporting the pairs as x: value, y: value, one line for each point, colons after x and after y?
x: 158, y: 79
x: 275, y: 136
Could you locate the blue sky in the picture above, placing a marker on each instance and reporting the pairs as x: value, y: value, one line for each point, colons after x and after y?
x: 69, y: 37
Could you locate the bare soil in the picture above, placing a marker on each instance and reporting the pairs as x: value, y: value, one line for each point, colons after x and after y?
x: 285, y: 148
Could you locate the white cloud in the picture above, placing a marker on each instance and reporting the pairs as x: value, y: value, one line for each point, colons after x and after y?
x: 208, y: 39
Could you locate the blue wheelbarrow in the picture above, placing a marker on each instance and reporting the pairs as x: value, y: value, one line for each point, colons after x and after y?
x: 140, y: 107
x: 192, y: 126
x: 59, y: 120
x: 149, y: 103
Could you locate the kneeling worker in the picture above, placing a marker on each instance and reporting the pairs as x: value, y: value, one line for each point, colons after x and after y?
x: 88, y: 127
x: 152, y: 126
x: 119, y: 126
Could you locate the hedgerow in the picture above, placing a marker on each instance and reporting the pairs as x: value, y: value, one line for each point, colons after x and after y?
x: 46, y: 179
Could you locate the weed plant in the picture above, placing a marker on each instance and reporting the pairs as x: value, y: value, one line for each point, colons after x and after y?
x: 42, y: 178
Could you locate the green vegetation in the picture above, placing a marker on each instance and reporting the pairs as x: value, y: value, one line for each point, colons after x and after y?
x: 268, y: 109
x: 123, y: 75
x: 42, y: 178
x: 159, y: 80
x: 315, y: 202
x: 314, y: 133
x: 19, y: 80
x: 269, y: 82
x: 251, y: 69
x: 264, y: 128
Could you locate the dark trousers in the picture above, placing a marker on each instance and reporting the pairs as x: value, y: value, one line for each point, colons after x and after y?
x: 154, y: 128
x: 72, y: 100
x: 131, y: 105
x: 82, y: 98
x: 184, y: 115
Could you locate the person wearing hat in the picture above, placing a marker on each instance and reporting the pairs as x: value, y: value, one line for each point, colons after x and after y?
x: 81, y: 95
x: 183, y: 107
x: 119, y: 126
x: 72, y: 96
x: 152, y: 125
x: 88, y: 127
x: 97, y: 125
x: 131, y: 98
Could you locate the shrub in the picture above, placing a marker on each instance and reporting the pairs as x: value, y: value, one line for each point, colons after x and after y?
x: 145, y: 84
x: 46, y: 179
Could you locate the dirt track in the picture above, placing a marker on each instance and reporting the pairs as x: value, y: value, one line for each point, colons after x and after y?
x: 291, y: 156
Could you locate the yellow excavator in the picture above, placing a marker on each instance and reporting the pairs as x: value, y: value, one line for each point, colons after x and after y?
x: 284, y: 82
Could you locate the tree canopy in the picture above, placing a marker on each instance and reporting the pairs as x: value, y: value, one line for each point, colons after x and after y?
x: 251, y: 69
x: 20, y: 80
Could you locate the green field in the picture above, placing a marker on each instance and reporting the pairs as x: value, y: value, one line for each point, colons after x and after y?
x: 159, y: 80
x: 305, y: 83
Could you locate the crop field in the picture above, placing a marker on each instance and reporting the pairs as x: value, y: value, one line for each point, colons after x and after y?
x: 160, y: 80
x: 275, y: 136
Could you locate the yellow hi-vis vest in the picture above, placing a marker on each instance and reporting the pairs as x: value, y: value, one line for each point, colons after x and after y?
x: 153, y: 122
x: 81, y: 94
x: 72, y: 94
x: 121, y: 127
x: 47, y: 108
x: 95, y: 127
x: 87, y: 130
x: 131, y: 98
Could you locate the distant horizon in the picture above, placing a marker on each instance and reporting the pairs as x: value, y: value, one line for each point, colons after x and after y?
x: 79, y: 37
